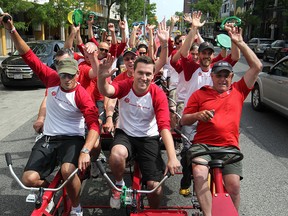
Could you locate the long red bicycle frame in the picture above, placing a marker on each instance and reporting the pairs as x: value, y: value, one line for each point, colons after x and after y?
x: 221, y: 201
x: 47, y: 196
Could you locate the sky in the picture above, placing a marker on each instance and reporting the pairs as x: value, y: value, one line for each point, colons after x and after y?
x: 167, y: 8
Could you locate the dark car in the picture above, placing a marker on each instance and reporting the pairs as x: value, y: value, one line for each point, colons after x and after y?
x: 271, y: 88
x: 276, y: 51
x: 258, y: 45
x: 16, y: 73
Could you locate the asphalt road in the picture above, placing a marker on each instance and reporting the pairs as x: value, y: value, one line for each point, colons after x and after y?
x: 263, y: 138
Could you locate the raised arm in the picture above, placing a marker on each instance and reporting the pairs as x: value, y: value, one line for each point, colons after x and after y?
x: 19, y: 43
x: 111, y: 28
x: 163, y: 36
x: 132, y: 39
x: 150, y: 30
x: 196, y: 23
x: 104, y: 87
x: 253, y: 61
x: 70, y: 40
x: 235, y: 51
x: 122, y: 26
x: 174, y: 19
x: 91, y: 51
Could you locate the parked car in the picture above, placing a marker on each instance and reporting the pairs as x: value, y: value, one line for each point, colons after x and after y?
x: 258, y: 45
x: 276, y: 51
x: 16, y: 73
x: 271, y: 88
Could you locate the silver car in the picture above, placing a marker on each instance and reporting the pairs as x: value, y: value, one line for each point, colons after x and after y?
x: 258, y: 45
x: 271, y: 88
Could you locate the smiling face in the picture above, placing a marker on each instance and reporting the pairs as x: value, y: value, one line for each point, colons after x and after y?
x: 222, y: 80
x: 129, y: 60
x: 103, y: 50
x: 205, y: 58
x: 68, y: 81
x: 143, y: 76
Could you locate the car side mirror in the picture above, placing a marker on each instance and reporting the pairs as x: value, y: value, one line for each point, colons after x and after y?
x: 266, y: 69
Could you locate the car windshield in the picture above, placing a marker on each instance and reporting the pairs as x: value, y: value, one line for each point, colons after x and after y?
x: 40, y: 49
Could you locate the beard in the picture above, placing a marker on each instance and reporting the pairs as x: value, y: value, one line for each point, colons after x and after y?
x: 205, y: 62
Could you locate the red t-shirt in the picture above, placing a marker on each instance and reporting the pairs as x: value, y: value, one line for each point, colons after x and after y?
x: 122, y: 76
x: 223, y: 129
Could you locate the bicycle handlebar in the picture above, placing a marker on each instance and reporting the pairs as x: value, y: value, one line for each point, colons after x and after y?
x: 182, y: 135
x: 9, y: 164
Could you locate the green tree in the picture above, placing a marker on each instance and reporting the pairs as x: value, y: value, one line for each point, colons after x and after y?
x: 15, y: 7
x: 208, y: 6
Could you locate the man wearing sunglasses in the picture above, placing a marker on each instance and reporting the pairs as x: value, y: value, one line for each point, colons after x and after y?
x: 68, y: 108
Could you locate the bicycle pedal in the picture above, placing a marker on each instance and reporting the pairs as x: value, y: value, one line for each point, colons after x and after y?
x: 31, y: 198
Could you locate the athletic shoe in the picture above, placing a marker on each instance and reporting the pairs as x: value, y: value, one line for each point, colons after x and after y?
x: 115, y: 201
x: 184, y: 192
x: 74, y: 213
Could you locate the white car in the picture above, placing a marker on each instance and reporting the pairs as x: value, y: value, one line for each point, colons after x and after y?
x: 271, y: 88
x: 258, y: 45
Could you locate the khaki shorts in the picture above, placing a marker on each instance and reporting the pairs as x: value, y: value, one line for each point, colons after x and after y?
x: 235, y: 168
x: 172, y: 95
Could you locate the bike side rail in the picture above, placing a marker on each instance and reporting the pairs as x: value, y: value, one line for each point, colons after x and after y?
x: 112, y: 185
x: 44, y: 194
x: 9, y: 164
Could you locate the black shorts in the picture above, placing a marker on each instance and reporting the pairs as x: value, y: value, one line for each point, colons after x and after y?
x: 49, y: 151
x: 147, y: 152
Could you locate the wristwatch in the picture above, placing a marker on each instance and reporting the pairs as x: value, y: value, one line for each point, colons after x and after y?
x: 85, y: 151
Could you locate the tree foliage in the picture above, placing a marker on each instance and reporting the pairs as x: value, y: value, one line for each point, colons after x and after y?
x: 208, y: 6
x: 54, y: 13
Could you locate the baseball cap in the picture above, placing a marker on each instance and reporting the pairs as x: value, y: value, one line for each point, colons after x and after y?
x: 142, y: 43
x: 222, y: 66
x: 205, y: 45
x: 67, y: 65
x: 130, y: 50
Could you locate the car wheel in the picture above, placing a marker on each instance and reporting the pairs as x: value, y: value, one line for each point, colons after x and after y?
x: 256, y: 99
x: 3, y: 82
x: 265, y: 58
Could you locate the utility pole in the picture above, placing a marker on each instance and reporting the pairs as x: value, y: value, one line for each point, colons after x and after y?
x: 144, y: 19
x: 273, y: 25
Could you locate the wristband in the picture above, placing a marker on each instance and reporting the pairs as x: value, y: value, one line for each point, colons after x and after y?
x: 109, y: 116
x: 165, y: 46
x: 12, y: 30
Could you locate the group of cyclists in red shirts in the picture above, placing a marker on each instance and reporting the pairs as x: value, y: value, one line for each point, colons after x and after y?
x: 81, y: 95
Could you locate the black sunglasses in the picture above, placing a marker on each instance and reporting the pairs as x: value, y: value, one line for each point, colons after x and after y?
x: 142, y: 53
x: 131, y: 58
x: 102, y: 49
x: 180, y: 41
x: 64, y: 75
